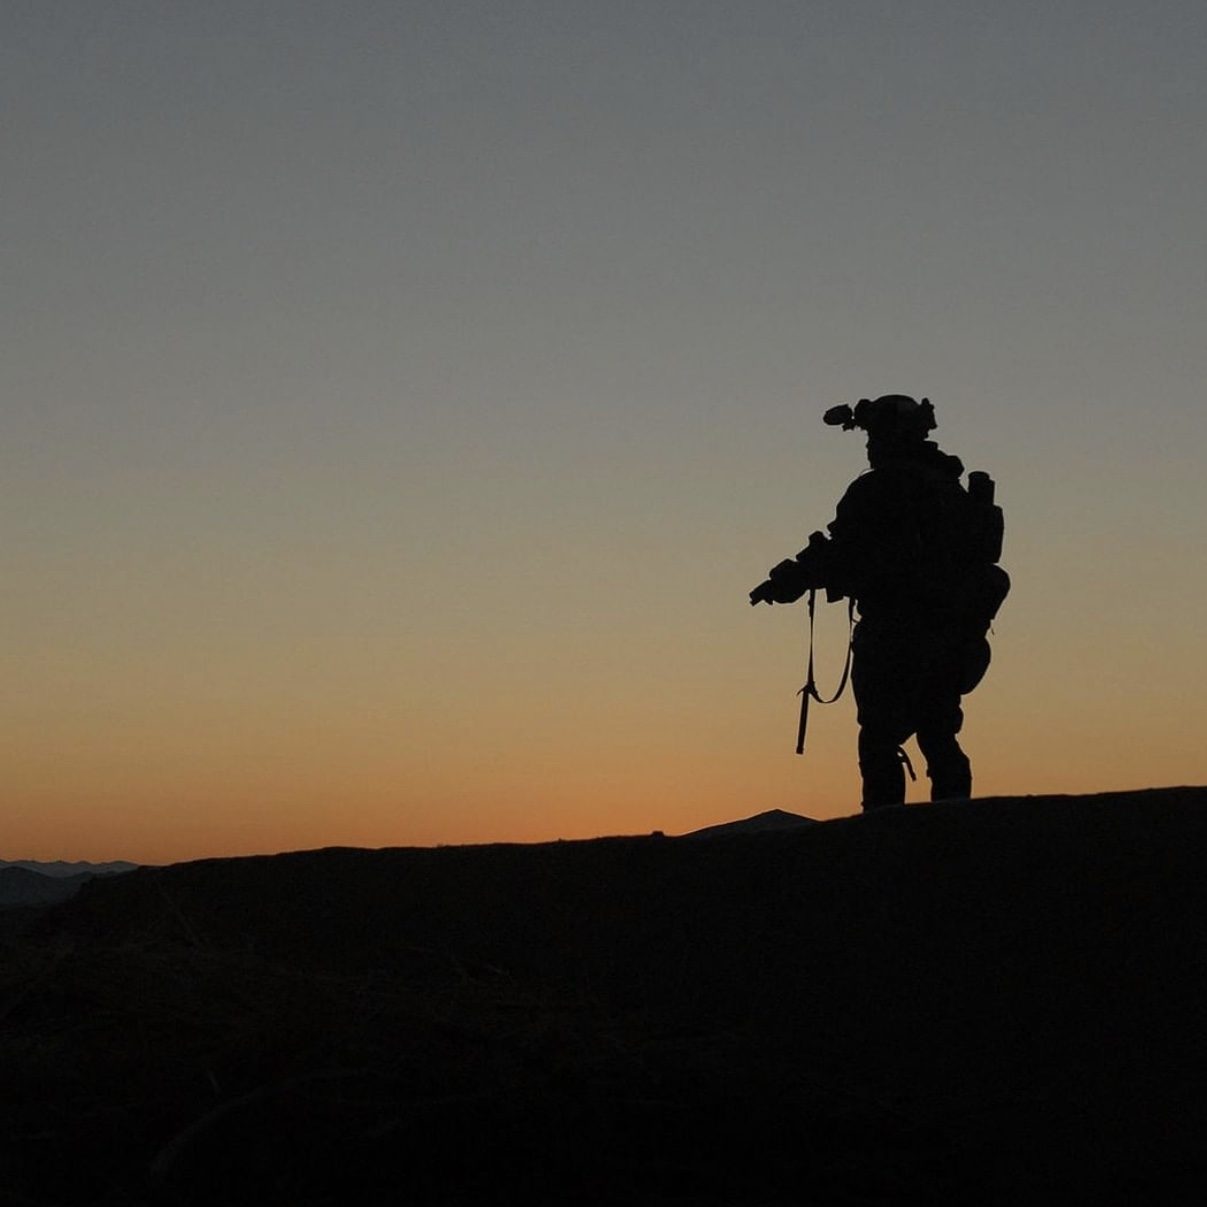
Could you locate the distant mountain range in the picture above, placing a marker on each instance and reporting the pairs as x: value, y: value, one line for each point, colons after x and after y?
x: 28, y: 882
x: 59, y: 867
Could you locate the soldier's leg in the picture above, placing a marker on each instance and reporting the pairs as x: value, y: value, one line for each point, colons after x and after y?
x: 881, y: 680
x: 881, y: 768
x: 946, y: 763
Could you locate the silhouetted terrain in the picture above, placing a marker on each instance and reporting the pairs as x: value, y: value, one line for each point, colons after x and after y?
x: 62, y: 868
x: 993, y: 1002
x: 22, y: 884
x: 19, y: 886
x: 771, y: 819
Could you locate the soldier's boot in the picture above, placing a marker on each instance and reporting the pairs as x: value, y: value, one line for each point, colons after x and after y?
x: 883, y: 773
x: 948, y: 768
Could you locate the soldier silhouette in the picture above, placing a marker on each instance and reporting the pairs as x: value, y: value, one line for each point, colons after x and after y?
x: 916, y: 554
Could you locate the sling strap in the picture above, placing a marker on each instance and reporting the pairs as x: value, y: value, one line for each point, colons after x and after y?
x: 809, y: 691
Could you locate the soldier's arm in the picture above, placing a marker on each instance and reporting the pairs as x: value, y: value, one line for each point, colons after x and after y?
x: 857, y: 534
x: 788, y: 581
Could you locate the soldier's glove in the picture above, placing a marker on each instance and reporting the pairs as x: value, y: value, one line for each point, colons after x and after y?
x: 789, y: 581
x: 785, y: 584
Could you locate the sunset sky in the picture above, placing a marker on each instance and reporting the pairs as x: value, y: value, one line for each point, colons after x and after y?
x: 400, y: 399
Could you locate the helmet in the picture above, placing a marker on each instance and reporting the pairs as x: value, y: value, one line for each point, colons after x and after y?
x: 889, y: 417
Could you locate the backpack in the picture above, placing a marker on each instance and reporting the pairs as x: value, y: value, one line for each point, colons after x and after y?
x: 990, y: 583
x: 947, y: 544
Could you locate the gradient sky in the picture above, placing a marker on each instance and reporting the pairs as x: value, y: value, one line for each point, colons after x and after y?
x: 399, y: 400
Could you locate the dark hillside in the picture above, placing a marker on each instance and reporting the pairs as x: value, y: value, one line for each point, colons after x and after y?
x: 1000, y: 1001
x: 19, y: 886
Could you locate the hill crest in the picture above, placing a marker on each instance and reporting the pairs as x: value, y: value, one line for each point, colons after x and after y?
x: 1007, y: 993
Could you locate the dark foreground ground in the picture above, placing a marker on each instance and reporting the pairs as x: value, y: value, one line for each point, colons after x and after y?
x: 1002, y: 1002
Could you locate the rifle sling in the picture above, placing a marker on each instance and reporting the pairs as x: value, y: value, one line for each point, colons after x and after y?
x: 809, y: 691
